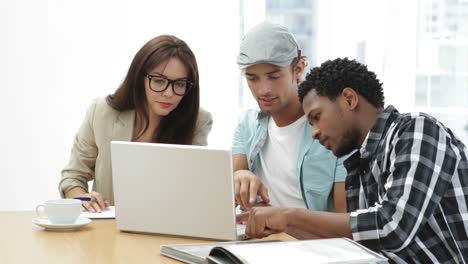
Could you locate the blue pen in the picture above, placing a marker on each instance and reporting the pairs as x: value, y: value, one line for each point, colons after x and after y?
x: 85, y: 199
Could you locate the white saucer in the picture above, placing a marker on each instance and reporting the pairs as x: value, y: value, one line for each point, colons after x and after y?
x: 44, y: 222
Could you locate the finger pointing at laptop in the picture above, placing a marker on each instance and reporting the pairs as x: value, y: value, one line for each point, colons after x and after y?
x: 248, y: 187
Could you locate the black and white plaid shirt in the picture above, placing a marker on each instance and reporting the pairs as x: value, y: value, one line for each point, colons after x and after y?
x: 407, y: 190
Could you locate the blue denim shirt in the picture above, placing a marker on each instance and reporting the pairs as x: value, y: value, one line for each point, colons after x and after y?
x: 317, y: 169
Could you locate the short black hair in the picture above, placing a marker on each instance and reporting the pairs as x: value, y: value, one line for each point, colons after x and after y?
x: 332, y: 76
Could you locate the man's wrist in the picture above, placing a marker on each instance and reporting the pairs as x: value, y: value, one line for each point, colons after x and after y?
x: 290, y: 215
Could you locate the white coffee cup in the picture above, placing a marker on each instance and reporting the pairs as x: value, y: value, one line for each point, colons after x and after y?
x: 60, y: 211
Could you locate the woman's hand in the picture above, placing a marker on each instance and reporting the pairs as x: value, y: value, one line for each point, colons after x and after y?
x: 97, y: 203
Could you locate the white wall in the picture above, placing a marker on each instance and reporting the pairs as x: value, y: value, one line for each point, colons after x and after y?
x: 55, y: 56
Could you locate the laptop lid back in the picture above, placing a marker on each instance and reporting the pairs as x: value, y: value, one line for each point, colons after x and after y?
x: 174, y: 190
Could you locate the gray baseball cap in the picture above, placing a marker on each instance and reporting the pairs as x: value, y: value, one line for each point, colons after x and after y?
x: 267, y: 43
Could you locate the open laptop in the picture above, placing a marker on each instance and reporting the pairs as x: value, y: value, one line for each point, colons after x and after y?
x: 174, y: 190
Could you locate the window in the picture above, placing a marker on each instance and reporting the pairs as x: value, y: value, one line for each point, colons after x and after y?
x: 418, y: 49
x: 441, y: 81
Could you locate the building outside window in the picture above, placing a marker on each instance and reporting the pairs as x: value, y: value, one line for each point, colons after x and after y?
x: 418, y: 49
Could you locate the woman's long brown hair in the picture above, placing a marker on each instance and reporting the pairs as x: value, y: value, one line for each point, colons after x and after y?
x: 178, y: 127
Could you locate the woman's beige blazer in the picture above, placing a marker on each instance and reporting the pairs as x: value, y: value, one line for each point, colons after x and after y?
x: 90, y: 155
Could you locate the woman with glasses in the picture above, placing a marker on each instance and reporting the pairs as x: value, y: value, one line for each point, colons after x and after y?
x: 158, y: 101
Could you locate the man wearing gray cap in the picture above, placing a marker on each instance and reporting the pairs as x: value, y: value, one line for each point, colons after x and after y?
x: 274, y: 154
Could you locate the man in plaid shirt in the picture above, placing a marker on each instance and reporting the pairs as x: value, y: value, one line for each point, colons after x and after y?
x: 407, y: 183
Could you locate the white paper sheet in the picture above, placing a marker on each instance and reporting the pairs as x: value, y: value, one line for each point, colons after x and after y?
x: 107, y: 213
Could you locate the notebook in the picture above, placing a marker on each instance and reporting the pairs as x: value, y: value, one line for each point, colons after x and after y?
x: 174, y: 190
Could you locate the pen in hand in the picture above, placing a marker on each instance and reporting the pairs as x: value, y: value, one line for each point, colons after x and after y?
x: 88, y: 207
x: 85, y: 199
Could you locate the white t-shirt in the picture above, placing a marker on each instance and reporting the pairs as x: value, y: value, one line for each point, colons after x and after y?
x: 277, y: 166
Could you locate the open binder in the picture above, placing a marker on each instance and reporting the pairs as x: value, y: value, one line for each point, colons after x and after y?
x: 334, y: 250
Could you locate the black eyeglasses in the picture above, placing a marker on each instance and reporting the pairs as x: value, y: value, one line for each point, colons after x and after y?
x: 158, y: 83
